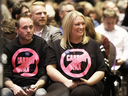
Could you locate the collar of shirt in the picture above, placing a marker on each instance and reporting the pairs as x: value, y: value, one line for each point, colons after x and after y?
x: 38, y: 33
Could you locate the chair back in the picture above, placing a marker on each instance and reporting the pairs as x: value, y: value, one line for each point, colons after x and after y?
x: 112, y: 56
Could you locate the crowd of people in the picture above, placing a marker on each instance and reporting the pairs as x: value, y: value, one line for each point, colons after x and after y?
x: 52, y: 45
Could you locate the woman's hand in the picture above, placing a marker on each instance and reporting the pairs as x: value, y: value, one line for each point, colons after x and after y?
x: 95, y: 78
x: 70, y: 84
x: 82, y: 81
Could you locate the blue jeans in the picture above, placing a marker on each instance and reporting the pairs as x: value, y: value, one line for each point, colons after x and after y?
x: 8, y: 92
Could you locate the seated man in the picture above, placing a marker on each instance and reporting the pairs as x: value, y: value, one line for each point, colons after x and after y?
x: 24, y: 73
x: 64, y: 8
x: 117, y: 35
x: 39, y: 17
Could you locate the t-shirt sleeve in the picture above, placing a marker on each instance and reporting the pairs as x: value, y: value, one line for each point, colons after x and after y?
x: 100, y: 60
x: 51, y: 56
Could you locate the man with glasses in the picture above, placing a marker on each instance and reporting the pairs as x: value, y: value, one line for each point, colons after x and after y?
x: 64, y: 9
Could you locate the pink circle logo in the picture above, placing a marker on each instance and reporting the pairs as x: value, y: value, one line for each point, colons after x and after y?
x: 76, y: 61
x: 24, y: 58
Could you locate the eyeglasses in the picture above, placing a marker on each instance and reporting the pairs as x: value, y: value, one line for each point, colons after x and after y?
x: 67, y: 11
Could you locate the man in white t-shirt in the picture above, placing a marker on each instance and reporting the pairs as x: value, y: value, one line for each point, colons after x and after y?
x: 117, y: 35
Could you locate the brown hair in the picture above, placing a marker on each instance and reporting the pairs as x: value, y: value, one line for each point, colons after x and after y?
x: 90, y: 31
x: 23, y: 15
x: 8, y: 26
x: 109, y: 13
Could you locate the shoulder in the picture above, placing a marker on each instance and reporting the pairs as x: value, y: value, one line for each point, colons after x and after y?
x: 92, y: 41
x: 125, y: 27
x: 13, y: 43
x: 52, y: 30
x: 50, y: 27
x: 96, y: 23
x: 56, y: 42
x: 92, y: 45
x: 120, y: 29
x: 38, y: 39
x: 99, y: 28
x: 104, y: 37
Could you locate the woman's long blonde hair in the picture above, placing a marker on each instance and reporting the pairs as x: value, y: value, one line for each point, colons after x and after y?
x: 67, y: 25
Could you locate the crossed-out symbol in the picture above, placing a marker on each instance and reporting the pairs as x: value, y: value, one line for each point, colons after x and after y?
x: 70, y: 67
x: 14, y: 59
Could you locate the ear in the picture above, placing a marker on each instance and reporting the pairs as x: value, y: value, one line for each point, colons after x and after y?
x: 16, y: 15
x: 16, y: 29
x: 61, y: 14
x: 30, y: 15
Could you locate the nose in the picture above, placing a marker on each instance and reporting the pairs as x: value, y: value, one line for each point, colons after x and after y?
x: 81, y: 26
x: 111, y: 24
x: 28, y: 29
x: 42, y: 15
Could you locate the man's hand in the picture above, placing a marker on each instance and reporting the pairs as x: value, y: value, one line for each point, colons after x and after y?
x: 18, y: 91
x: 31, y: 90
x: 119, y: 62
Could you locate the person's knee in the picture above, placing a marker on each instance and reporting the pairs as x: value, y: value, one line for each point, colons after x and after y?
x: 6, y: 92
x: 40, y: 92
x: 58, y: 89
x: 82, y: 91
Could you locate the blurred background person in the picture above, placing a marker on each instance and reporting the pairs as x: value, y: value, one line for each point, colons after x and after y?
x: 19, y: 8
x: 8, y: 27
x: 122, y: 5
x: 125, y: 20
x: 64, y: 8
x: 50, y: 16
x: 5, y: 12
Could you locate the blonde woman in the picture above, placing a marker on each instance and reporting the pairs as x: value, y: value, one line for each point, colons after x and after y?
x: 75, y: 63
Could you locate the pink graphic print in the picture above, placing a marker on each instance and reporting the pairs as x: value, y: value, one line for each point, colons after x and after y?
x: 25, y: 62
x: 76, y: 62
